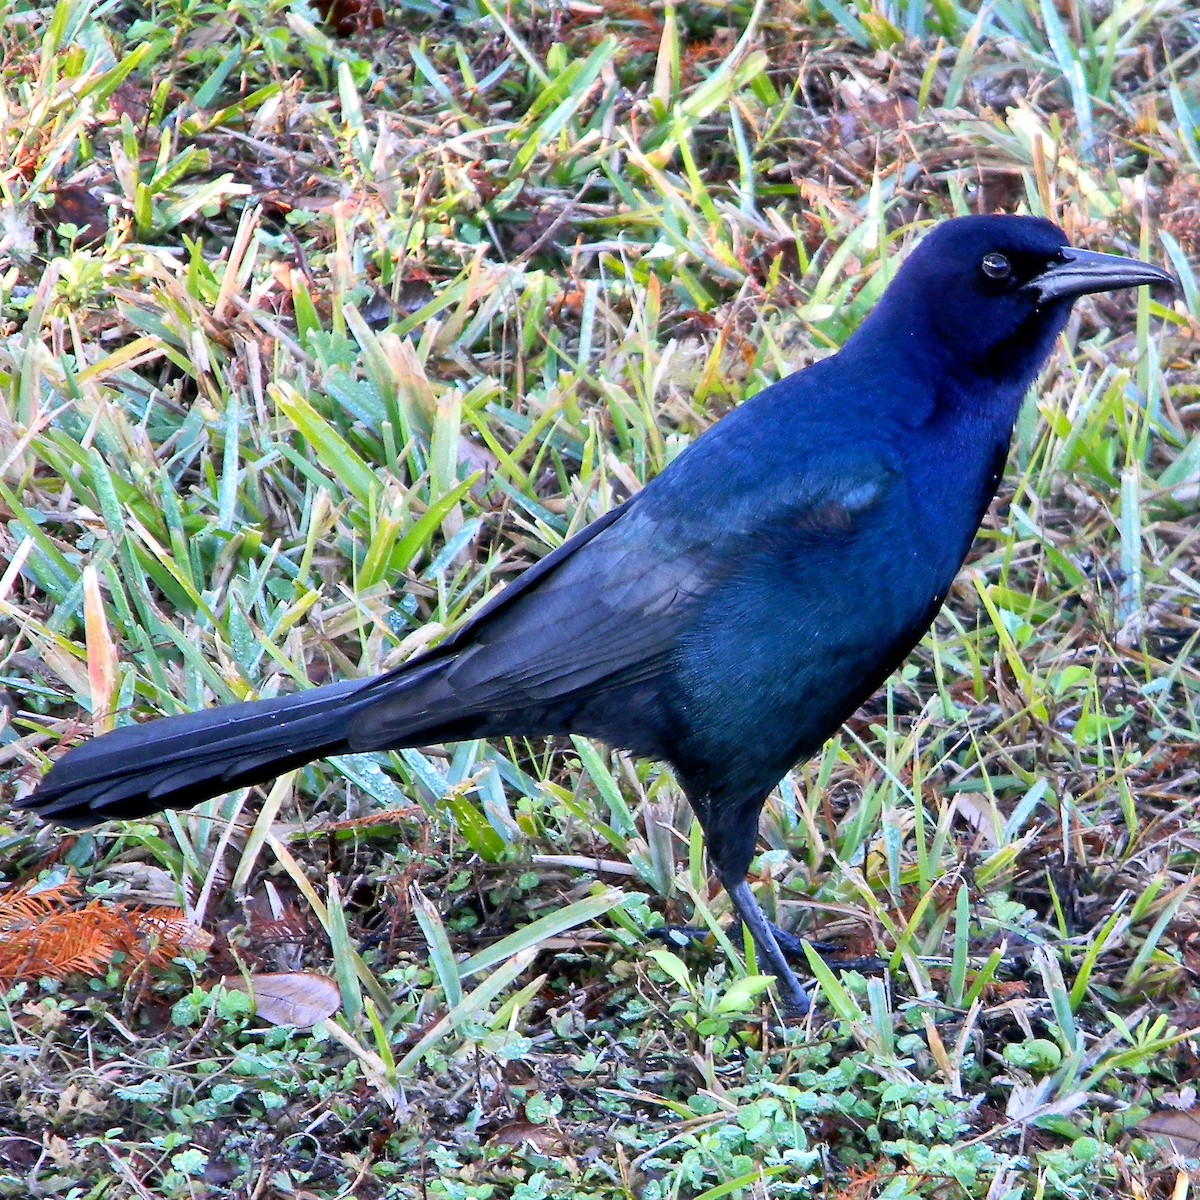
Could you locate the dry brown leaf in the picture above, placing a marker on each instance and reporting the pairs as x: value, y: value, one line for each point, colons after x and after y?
x: 522, y: 1133
x: 348, y: 17
x: 298, y: 998
x: 144, y: 883
x: 77, y: 204
x: 1179, y: 1127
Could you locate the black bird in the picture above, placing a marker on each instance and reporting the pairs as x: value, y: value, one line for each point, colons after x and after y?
x: 731, y: 615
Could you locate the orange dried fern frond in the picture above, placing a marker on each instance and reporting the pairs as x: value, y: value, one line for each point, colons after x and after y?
x: 29, y: 903
x: 43, y: 937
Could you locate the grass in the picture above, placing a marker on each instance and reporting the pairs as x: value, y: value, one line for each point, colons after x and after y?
x: 311, y: 340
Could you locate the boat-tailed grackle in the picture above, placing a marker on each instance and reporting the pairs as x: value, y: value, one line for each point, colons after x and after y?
x: 733, y: 613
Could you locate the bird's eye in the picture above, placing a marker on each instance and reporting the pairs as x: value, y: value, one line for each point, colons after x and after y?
x: 996, y: 266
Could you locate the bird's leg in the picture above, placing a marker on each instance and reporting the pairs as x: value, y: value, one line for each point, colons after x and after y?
x: 795, y: 1000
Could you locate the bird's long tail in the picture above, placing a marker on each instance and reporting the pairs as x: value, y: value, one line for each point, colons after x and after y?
x: 179, y: 761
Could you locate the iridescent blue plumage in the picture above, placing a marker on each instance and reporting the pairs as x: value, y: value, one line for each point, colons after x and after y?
x: 734, y: 613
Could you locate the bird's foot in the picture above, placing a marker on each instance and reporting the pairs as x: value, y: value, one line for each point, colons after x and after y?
x: 793, y: 946
x: 794, y: 999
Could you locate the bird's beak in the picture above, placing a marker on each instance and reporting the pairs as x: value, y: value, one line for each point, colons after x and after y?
x: 1079, y: 272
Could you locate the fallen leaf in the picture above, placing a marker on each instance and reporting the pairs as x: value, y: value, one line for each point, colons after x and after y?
x: 1179, y: 1127
x: 299, y: 998
x: 75, y: 204
x: 522, y: 1133
x: 347, y: 17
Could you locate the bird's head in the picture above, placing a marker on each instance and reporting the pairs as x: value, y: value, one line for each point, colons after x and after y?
x: 992, y: 293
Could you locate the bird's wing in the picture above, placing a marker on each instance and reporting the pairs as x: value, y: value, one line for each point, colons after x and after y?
x: 605, y: 610
x: 599, y: 612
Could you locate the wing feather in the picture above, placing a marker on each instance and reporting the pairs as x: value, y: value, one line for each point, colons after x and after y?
x: 607, y: 608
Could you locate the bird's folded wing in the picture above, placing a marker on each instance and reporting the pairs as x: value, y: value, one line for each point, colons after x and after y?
x: 606, y: 609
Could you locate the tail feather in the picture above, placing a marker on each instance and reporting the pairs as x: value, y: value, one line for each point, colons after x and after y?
x: 179, y: 761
